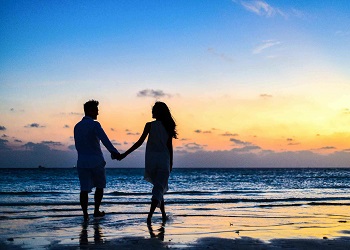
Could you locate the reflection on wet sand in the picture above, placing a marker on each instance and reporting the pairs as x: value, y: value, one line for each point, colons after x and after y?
x: 157, y: 233
x: 98, y: 235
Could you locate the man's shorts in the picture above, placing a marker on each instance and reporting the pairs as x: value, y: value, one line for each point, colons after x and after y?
x: 92, y: 177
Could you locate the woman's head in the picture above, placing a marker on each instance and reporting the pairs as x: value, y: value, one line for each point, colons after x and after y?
x: 161, y: 112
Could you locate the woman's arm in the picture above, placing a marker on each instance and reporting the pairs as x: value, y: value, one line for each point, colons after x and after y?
x: 140, y: 141
x: 170, y: 148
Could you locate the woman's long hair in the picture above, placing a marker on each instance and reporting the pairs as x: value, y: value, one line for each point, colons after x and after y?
x: 162, y: 113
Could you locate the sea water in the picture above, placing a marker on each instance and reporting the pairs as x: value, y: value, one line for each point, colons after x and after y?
x: 46, y: 201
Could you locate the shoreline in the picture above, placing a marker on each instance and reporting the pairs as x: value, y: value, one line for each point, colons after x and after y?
x: 134, y: 242
x: 185, y: 232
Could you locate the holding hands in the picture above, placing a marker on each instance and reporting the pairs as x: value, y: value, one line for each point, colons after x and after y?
x: 118, y: 156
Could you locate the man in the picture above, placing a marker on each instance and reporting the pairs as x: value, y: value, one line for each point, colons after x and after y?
x: 91, y: 165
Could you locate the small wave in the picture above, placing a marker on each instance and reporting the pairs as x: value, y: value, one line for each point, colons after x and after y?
x: 116, y: 193
x: 30, y: 193
x: 258, y: 202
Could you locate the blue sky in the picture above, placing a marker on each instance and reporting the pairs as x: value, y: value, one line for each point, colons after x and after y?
x: 271, y: 76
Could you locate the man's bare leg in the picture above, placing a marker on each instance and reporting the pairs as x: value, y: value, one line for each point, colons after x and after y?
x: 84, y: 201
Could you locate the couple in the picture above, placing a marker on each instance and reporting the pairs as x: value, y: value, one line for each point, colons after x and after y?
x: 91, y: 165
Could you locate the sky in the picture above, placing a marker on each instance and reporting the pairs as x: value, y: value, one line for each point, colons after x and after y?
x: 250, y: 83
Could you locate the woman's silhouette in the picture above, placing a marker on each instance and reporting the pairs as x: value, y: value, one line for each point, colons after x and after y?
x: 159, y: 154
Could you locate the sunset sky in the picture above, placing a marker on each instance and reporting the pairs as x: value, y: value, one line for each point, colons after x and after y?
x: 250, y: 83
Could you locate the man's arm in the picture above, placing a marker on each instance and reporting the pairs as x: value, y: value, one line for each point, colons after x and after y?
x: 104, y: 139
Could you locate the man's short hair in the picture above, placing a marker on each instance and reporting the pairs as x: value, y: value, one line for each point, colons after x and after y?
x: 90, y: 105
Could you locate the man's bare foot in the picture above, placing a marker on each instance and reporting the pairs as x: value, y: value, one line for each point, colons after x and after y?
x: 99, y: 214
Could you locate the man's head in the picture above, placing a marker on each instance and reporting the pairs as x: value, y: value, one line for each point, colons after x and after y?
x: 91, y: 109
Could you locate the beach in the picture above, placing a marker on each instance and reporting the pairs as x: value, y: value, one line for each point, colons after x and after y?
x: 326, y: 227
x: 206, y: 208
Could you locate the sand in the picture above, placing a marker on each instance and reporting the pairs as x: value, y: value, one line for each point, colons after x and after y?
x: 317, y: 227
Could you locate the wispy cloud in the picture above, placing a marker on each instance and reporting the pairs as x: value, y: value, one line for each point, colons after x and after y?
x: 239, y: 142
x: 265, y: 96
x: 193, y: 146
x: 198, y: 131
x: 52, y: 143
x: 265, y: 45
x: 131, y: 133
x: 116, y: 143
x: 246, y: 149
x: 229, y: 134
x: 153, y: 93
x: 327, y: 148
x: 260, y: 8
x: 2, y: 128
x: 34, y: 125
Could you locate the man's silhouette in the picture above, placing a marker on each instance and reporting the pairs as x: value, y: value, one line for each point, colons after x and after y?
x: 91, y: 165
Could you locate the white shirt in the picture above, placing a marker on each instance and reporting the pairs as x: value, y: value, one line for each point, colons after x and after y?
x: 87, y: 135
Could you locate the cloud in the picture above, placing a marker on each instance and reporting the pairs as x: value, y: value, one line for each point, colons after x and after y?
x: 266, y: 96
x: 265, y: 45
x: 229, y: 134
x: 36, y: 146
x: 16, y: 140
x: 114, y: 142
x: 327, y: 148
x: 249, y: 156
x: 131, y: 133
x: 3, y: 145
x: 35, y: 154
x: 34, y: 125
x: 66, y: 126
x: 4, y: 136
x: 246, y: 149
x: 255, y: 158
x: 193, y: 146
x: 239, y: 142
x: 52, y: 143
x: 152, y: 93
x: 261, y: 8
x: 76, y: 113
x: 198, y: 131
x: 2, y: 128
x: 222, y: 56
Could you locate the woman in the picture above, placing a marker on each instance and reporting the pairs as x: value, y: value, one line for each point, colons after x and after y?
x: 159, y: 154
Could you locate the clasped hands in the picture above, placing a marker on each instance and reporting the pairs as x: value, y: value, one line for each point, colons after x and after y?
x: 117, y: 156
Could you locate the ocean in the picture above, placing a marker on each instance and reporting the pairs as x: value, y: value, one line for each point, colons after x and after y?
x: 36, y: 202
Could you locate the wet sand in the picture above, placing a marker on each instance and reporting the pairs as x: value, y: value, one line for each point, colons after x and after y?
x: 317, y: 227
